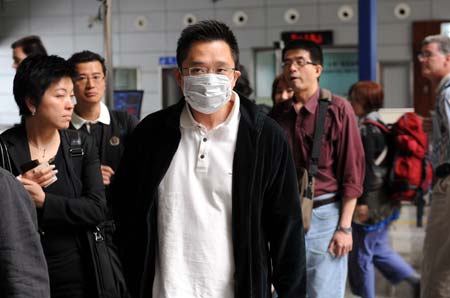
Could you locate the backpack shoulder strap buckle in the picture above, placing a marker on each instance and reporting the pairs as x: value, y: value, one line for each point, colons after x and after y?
x: 76, y: 152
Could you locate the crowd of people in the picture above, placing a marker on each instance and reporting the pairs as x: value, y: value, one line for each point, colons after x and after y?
x: 208, y: 196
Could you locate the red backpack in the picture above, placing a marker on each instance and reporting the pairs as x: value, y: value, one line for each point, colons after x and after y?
x: 410, y: 172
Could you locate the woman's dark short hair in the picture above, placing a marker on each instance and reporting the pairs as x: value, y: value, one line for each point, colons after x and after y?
x: 86, y: 56
x: 31, y: 45
x: 314, y: 50
x: 35, y: 75
x: 368, y: 94
x: 208, y: 30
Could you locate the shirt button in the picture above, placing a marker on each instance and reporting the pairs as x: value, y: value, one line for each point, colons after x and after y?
x: 202, y: 156
x: 205, y: 139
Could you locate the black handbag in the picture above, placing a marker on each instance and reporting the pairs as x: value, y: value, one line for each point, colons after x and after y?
x: 106, y: 265
x: 5, y: 161
x: 110, y: 282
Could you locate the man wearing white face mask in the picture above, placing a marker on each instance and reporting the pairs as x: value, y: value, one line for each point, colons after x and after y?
x: 210, y: 185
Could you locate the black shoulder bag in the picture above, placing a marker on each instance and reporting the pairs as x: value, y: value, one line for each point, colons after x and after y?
x: 105, y: 261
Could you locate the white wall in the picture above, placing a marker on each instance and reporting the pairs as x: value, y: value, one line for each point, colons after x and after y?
x: 62, y: 24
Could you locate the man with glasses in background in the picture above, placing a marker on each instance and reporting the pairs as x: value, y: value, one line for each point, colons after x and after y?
x: 435, y: 62
x: 211, y: 206
x: 109, y: 128
x: 341, y: 165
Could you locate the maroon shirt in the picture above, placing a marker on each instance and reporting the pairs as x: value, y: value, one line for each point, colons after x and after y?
x: 341, y: 163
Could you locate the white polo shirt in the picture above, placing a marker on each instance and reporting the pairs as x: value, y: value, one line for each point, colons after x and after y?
x: 103, y: 117
x: 194, y: 256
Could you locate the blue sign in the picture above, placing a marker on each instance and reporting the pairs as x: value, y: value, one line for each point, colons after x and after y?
x: 168, y: 60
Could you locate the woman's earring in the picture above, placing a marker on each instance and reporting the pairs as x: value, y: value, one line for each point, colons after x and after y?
x: 33, y: 112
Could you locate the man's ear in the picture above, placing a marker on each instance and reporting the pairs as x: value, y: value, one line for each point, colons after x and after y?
x: 237, y: 74
x: 447, y: 59
x: 178, y: 77
x: 104, y: 80
x: 319, y: 69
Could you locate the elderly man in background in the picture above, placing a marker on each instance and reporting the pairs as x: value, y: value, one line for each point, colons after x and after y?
x: 435, y: 61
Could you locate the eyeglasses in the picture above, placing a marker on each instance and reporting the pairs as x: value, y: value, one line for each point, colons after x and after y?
x: 297, y: 62
x: 200, y: 70
x: 92, y: 79
x: 425, y: 55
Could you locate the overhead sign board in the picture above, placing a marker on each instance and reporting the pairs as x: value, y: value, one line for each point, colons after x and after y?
x: 319, y: 37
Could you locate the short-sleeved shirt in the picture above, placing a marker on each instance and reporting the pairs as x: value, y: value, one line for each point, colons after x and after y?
x: 341, y: 163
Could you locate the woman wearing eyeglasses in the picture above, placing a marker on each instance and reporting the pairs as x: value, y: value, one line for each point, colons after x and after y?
x: 45, y: 158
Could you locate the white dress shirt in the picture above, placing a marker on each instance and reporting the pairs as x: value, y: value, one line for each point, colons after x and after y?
x: 194, y: 256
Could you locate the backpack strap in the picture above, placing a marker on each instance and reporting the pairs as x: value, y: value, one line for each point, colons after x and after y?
x: 385, y: 130
x: 324, y: 101
x: 377, y: 124
x: 76, y: 149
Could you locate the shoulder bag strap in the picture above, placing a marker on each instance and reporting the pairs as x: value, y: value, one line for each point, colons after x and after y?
x: 5, y: 161
x: 324, y: 101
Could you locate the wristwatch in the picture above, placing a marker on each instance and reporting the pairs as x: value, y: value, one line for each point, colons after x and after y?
x: 344, y: 230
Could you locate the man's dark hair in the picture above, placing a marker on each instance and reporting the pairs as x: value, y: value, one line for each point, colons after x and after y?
x: 35, y: 75
x: 31, y: 45
x: 86, y: 56
x: 208, y: 30
x: 314, y: 50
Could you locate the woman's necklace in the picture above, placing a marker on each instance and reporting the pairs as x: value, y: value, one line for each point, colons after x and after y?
x: 42, y: 149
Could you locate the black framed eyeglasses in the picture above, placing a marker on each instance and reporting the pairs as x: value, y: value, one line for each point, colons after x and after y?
x: 296, y: 62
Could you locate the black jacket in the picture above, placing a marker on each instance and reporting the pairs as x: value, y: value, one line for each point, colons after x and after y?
x: 376, y: 194
x: 266, y: 209
x: 114, y: 137
x: 88, y: 208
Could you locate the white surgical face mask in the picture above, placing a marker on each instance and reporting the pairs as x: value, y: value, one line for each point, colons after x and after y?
x: 207, y: 93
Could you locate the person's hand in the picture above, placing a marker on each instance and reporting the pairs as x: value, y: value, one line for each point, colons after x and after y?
x: 341, y: 244
x: 44, y: 174
x: 362, y: 213
x: 34, y: 190
x: 107, y: 173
